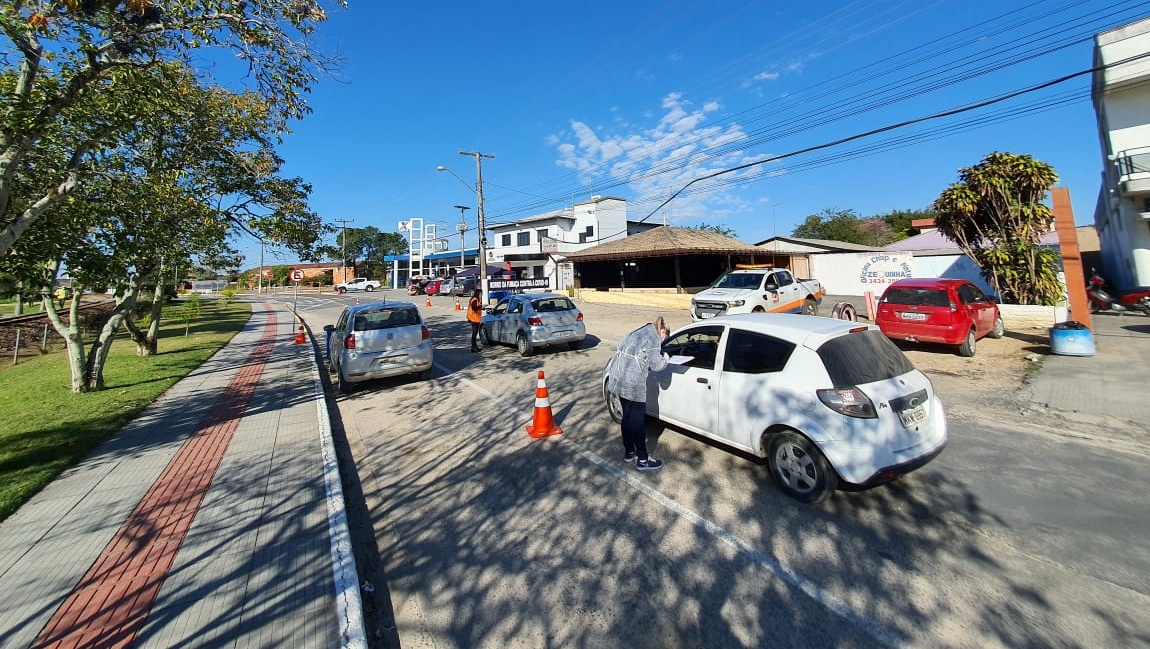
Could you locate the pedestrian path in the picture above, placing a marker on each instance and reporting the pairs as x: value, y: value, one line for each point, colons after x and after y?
x: 215, y: 518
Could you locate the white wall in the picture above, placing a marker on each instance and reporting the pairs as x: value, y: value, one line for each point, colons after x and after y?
x: 855, y: 273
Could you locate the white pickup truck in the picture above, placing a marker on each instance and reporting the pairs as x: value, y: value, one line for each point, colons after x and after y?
x: 357, y: 284
x: 758, y: 290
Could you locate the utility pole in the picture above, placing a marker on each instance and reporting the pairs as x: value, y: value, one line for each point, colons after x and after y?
x: 343, y: 250
x: 482, y: 225
x: 462, y: 227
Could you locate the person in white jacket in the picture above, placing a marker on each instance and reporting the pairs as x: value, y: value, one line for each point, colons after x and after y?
x: 638, y: 352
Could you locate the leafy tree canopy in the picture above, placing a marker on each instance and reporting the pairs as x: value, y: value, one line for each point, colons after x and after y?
x: 996, y: 214
x: 718, y: 229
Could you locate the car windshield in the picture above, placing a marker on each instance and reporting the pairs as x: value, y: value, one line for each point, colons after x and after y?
x: 917, y: 297
x: 739, y: 280
x: 863, y: 357
x: 385, y: 319
x: 548, y: 305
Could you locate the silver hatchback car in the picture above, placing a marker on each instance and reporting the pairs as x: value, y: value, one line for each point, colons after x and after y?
x: 378, y: 340
x: 533, y: 320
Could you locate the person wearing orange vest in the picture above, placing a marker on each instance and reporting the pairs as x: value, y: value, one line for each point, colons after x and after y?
x: 475, y: 315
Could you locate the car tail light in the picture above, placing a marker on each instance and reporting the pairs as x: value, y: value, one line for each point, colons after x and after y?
x: 349, y: 341
x: 848, y: 401
x: 535, y: 321
x: 579, y: 317
x: 425, y: 332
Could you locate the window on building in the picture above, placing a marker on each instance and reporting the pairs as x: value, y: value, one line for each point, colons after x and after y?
x: 505, y: 240
x: 539, y: 234
x: 523, y: 239
x: 537, y: 272
x: 587, y: 235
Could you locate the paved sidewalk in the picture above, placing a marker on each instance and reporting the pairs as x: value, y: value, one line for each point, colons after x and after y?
x: 214, y: 519
x: 1106, y: 388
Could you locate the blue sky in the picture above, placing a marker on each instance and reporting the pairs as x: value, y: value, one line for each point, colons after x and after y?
x: 635, y: 99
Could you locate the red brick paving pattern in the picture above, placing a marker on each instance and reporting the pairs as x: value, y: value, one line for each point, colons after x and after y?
x: 111, y: 603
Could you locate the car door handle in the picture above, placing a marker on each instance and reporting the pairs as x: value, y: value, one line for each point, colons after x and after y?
x: 701, y: 379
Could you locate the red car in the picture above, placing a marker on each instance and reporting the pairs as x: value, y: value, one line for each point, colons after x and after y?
x: 947, y: 311
x: 432, y: 287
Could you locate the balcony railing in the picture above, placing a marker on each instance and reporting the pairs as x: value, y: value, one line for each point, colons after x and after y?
x: 1134, y: 171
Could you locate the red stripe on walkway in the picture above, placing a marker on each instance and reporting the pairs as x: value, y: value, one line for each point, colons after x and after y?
x: 111, y: 603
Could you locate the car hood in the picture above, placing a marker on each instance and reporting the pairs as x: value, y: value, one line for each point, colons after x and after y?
x: 724, y: 294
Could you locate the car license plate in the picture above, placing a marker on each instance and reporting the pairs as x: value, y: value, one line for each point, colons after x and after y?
x: 392, y: 360
x: 914, y: 316
x: 561, y: 334
x: 913, y: 416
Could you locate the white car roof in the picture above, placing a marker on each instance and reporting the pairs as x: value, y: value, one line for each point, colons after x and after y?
x: 811, y: 331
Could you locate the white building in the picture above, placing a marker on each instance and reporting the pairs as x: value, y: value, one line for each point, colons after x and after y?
x: 534, y: 247
x: 1121, y: 95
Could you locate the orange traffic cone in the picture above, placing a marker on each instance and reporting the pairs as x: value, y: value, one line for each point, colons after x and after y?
x: 543, y: 423
x: 428, y: 300
x: 299, y: 339
x: 457, y: 307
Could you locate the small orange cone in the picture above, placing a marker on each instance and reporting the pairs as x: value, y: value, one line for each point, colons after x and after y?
x: 457, y: 307
x: 543, y: 423
x: 299, y: 339
x: 428, y: 300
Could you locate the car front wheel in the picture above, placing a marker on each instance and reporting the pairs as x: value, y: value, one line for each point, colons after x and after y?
x: 483, y: 339
x: 968, y: 345
x: 614, y: 406
x: 800, y: 469
x: 810, y: 307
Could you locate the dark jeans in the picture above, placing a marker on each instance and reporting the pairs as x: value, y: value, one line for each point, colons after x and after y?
x: 634, y: 428
x: 474, y: 334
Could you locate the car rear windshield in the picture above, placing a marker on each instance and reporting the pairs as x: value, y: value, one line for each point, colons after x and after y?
x: 547, y: 305
x: 917, y: 297
x: 739, y: 280
x: 863, y: 357
x: 385, y: 319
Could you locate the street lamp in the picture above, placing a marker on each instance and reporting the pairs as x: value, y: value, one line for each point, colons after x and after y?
x: 482, y: 225
x: 462, y: 228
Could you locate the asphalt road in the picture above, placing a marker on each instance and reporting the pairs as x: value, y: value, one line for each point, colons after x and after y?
x: 1018, y: 535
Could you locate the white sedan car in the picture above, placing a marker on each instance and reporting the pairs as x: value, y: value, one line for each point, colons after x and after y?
x: 831, y: 404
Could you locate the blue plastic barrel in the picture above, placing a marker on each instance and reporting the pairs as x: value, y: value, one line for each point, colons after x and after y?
x: 1071, y: 338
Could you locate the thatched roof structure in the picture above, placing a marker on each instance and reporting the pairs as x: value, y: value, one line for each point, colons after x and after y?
x: 665, y: 241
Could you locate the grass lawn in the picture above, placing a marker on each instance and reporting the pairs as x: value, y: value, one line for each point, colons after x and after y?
x: 45, y: 429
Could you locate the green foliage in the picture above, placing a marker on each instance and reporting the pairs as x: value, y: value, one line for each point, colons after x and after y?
x: 189, y: 310
x: 227, y: 296
x: 996, y: 215
x: 835, y: 224
x: 717, y: 229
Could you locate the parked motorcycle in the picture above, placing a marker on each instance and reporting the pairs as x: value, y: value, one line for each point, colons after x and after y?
x: 1101, y: 300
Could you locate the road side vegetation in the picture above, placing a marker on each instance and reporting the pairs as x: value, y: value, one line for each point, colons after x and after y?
x: 45, y: 429
x: 996, y: 215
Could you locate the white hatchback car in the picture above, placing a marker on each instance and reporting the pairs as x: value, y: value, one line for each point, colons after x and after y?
x: 831, y: 404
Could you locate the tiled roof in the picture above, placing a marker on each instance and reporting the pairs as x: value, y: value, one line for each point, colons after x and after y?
x: 828, y: 244
x: 665, y: 241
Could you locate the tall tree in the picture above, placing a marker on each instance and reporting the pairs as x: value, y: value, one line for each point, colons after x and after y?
x: 832, y: 224
x: 66, y: 51
x: 717, y: 229
x: 996, y: 215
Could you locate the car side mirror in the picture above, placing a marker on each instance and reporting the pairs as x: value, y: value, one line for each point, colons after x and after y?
x: 329, y: 328
x: 771, y: 287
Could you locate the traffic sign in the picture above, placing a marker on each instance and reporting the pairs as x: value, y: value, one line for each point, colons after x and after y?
x: 270, y: 274
x: 296, y: 275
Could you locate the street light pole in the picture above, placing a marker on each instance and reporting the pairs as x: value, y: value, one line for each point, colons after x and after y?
x: 462, y: 227
x: 482, y: 225
x: 260, y: 290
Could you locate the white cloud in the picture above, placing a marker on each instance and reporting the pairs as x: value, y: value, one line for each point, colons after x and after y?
x: 656, y: 161
x: 766, y: 76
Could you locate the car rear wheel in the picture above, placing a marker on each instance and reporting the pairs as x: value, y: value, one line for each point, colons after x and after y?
x: 345, y: 386
x: 999, y: 328
x: 800, y: 469
x: 483, y: 339
x: 968, y: 345
x: 614, y: 406
x: 758, y: 309
x: 810, y: 307
x: 341, y: 290
x: 369, y: 288
x: 523, y: 345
